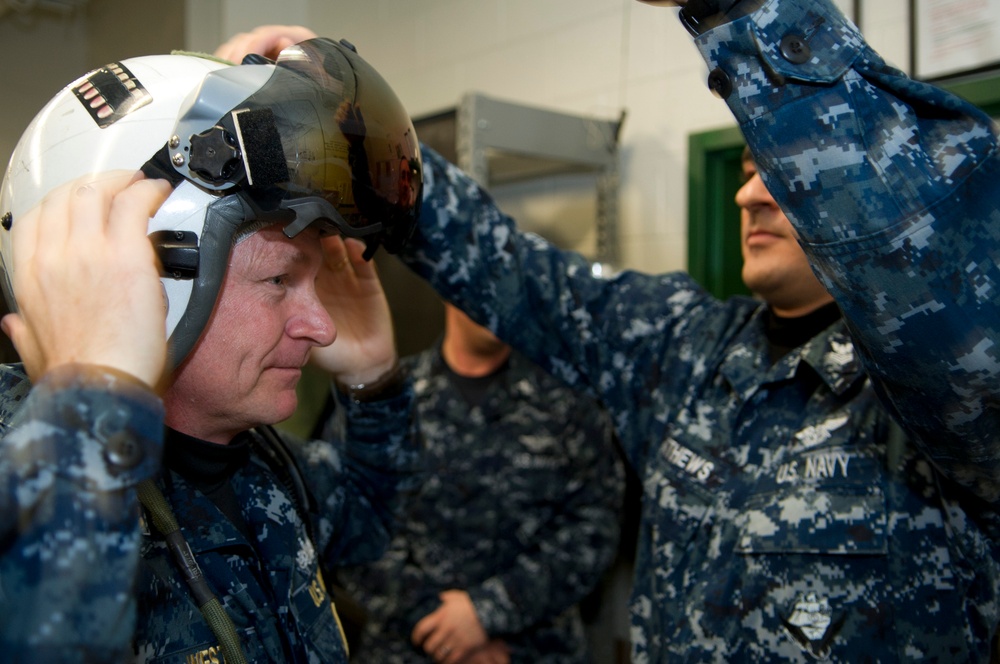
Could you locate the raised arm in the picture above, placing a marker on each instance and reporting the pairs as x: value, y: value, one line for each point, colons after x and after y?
x: 891, y: 184
x: 91, y: 331
x: 366, y: 457
x: 86, y: 280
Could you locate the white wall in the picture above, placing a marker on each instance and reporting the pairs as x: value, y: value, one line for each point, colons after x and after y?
x: 33, y: 72
x: 46, y: 45
x: 586, y: 56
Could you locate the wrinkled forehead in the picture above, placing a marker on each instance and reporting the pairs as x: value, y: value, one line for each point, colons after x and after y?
x: 269, y: 245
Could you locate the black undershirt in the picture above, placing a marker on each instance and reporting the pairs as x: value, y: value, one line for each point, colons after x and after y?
x: 209, y: 467
x: 475, y: 389
x: 787, y: 334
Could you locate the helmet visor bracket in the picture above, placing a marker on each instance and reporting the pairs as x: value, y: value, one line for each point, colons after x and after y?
x: 322, y: 136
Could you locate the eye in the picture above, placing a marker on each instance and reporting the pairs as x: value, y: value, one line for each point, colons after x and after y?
x: 279, y: 280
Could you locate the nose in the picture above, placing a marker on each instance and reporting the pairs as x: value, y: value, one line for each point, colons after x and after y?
x: 312, y: 322
x: 754, y: 194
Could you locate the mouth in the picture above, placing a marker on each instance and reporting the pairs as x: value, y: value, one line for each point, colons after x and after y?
x: 292, y: 362
x: 286, y: 374
x: 760, y: 238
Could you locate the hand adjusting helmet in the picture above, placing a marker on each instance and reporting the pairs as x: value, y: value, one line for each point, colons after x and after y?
x: 316, y: 138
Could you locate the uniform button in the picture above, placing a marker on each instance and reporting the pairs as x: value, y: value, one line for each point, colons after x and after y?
x: 719, y: 83
x: 795, y: 49
x: 122, y: 450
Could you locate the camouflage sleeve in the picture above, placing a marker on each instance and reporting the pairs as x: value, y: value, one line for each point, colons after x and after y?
x: 618, y: 339
x: 891, y: 184
x: 359, y: 473
x: 70, y: 459
x: 562, y: 567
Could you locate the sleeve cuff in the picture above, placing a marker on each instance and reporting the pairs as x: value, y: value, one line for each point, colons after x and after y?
x: 801, y: 40
x: 494, y: 607
x: 95, y: 426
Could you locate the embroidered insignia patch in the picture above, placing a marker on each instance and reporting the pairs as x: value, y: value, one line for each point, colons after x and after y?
x: 811, y: 623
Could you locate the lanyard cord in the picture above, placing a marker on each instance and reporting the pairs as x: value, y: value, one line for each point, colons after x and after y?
x: 211, y: 609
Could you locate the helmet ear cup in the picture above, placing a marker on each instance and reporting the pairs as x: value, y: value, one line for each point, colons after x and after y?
x: 222, y: 217
x: 186, y: 211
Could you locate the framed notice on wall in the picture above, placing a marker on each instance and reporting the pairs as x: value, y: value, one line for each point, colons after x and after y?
x: 954, y: 37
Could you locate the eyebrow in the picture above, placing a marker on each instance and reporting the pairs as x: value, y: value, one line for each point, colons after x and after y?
x: 270, y: 253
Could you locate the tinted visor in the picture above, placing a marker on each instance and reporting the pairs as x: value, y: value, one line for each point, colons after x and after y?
x: 324, y: 137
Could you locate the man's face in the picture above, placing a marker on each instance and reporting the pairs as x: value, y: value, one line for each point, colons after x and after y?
x: 244, y: 369
x: 774, y: 265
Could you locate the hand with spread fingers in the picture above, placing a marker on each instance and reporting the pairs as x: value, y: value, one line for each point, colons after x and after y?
x: 86, y: 279
x: 266, y: 40
x: 349, y: 288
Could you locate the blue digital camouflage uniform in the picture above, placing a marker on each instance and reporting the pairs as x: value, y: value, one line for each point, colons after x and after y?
x: 74, y: 448
x: 520, y: 509
x: 893, y: 186
x: 786, y: 517
x: 78, y: 564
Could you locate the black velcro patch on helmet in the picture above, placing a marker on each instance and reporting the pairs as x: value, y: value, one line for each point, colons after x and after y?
x: 110, y: 93
x: 260, y: 143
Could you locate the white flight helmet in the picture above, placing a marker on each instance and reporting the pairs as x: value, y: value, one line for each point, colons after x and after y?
x: 316, y: 137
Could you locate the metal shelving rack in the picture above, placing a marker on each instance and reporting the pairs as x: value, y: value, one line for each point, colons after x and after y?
x: 500, y: 142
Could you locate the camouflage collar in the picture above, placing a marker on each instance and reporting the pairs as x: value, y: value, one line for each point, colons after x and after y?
x: 830, y: 354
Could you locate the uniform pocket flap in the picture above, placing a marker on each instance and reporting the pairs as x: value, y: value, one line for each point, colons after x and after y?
x: 805, y: 519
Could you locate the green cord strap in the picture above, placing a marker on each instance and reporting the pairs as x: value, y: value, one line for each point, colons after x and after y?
x: 211, y: 609
x: 222, y: 626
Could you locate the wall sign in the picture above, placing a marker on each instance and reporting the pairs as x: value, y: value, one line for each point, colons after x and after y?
x: 954, y: 37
